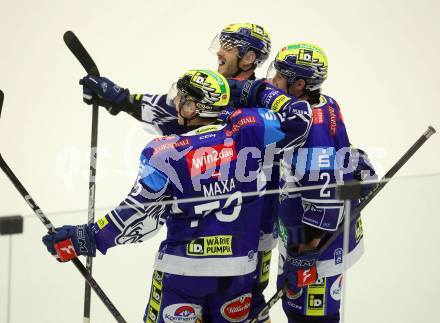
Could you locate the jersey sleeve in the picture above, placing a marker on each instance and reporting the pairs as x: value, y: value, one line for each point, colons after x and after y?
x: 138, y: 217
x: 161, y: 113
x: 155, y: 110
x: 295, y: 115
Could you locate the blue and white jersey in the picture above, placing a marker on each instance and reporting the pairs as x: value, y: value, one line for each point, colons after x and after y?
x: 324, y: 160
x: 212, y: 179
x: 160, y: 112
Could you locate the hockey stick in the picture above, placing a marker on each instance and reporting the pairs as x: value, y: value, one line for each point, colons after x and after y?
x: 89, y: 65
x: 355, y: 215
x: 43, y: 218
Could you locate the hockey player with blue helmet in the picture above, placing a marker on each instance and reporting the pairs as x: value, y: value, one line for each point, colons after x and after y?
x: 240, y: 49
x: 307, y: 218
x: 196, y: 184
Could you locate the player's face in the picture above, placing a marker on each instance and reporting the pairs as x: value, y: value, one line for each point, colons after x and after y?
x: 227, y: 61
x: 280, y: 82
x: 186, y: 109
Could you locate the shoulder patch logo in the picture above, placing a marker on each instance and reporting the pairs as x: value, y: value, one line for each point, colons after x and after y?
x: 318, y: 116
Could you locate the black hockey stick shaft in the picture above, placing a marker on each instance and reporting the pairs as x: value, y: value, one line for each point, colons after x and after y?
x: 356, y: 212
x: 51, y: 229
x: 78, y: 264
x: 79, y: 51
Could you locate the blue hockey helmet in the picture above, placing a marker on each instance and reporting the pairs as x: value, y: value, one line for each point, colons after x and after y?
x: 244, y: 37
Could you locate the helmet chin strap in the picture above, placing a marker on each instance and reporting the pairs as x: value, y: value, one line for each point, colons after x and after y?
x: 185, y: 120
x: 239, y: 69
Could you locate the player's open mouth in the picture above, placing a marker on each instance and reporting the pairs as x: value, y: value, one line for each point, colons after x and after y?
x: 221, y: 62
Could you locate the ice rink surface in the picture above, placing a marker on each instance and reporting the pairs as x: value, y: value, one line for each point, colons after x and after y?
x: 383, y: 71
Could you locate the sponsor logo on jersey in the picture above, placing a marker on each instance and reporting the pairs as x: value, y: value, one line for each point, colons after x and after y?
x: 236, y: 113
x: 155, y: 298
x: 102, y: 222
x: 270, y: 96
x: 336, y: 289
x: 333, y: 119
x: 237, y: 309
x: 207, y: 136
x: 164, y: 138
x: 359, y: 230
x: 316, y: 298
x: 210, y: 246
x: 318, y: 116
x: 169, y: 145
x: 279, y: 102
x: 320, y: 282
x: 283, y: 232
x: 218, y: 188
x: 265, y: 266
x: 338, y: 255
x: 240, y: 123
x: 181, y: 313
x: 201, y: 159
x: 206, y: 129
x: 315, y: 301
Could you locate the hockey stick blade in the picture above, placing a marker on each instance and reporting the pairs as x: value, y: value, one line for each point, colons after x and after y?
x: 51, y: 229
x: 81, y: 54
x: 356, y: 213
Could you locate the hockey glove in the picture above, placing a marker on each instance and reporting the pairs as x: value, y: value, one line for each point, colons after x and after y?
x: 299, y: 270
x: 245, y: 93
x: 364, y: 172
x: 108, y: 94
x: 70, y: 241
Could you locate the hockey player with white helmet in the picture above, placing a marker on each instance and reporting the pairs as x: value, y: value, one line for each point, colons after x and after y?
x: 204, y: 268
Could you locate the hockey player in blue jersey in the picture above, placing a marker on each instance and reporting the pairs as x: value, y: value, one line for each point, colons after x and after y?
x: 212, y: 240
x: 307, y: 218
x: 240, y: 49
